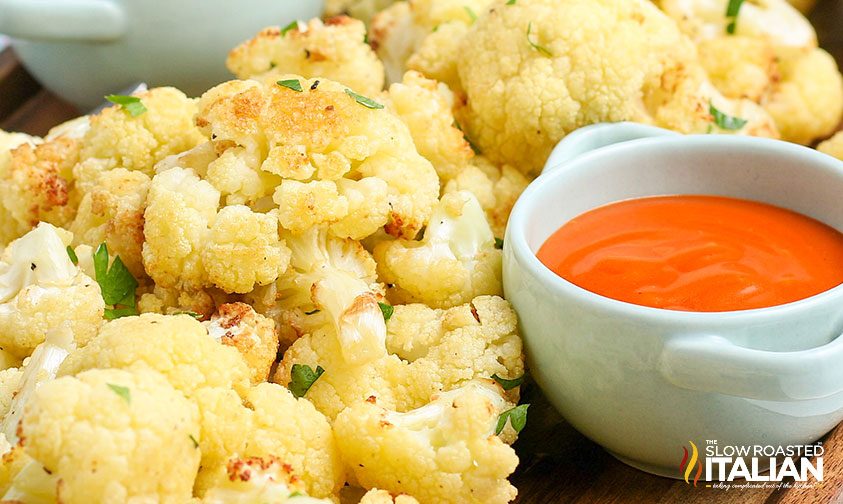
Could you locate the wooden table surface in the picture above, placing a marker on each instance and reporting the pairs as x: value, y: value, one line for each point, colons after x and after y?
x: 558, y: 465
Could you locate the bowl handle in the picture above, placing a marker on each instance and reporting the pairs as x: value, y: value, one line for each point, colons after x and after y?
x: 596, y: 136
x: 714, y: 364
x: 62, y: 20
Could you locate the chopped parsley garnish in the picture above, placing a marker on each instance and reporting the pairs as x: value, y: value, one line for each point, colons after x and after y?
x: 195, y: 315
x: 387, y: 310
x: 292, y: 25
x: 474, y: 148
x: 293, y: 84
x: 517, y: 417
x: 471, y: 13
x: 362, y: 100
x: 732, y: 11
x: 302, y: 377
x: 72, y: 254
x: 116, y: 283
x: 195, y: 442
x: 541, y: 49
x: 510, y: 2
x: 508, y: 384
x: 498, y: 243
x: 131, y: 104
x: 295, y: 494
x: 725, y: 121
x: 123, y: 392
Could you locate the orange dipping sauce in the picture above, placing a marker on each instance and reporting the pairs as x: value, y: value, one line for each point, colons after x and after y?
x: 697, y: 253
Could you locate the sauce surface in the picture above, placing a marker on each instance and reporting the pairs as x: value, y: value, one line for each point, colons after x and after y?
x: 697, y: 253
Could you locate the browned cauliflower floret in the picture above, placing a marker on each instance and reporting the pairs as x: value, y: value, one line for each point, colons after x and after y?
x: 111, y: 211
x: 425, y: 107
x: 455, y: 262
x: 9, y: 228
x: 191, y: 246
x: 335, y: 50
x: 332, y: 157
x: 138, y: 142
x: 253, y: 335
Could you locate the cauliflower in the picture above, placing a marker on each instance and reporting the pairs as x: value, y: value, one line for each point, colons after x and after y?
x: 833, y: 146
x: 202, y: 302
x: 425, y: 107
x: 443, y: 452
x: 377, y: 496
x: 41, y: 289
x: 772, y: 59
x: 9, y: 228
x: 436, y: 351
x: 337, y: 159
x: 178, y: 347
x: 531, y: 79
x: 424, y: 35
x: 113, y: 435
x: 111, y: 211
x: 36, y: 185
x: 256, y: 479
x: 191, y: 246
x: 268, y: 422
x: 335, y: 50
x: 496, y: 188
x: 804, y: 6
x: 137, y: 143
x: 253, y: 335
x: 455, y: 262
x: 335, y: 276
x: 359, y: 9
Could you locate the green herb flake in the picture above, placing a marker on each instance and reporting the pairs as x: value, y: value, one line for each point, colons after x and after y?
x: 362, y: 100
x: 508, y: 384
x: 516, y: 416
x: 725, y: 121
x: 387, y: 310
x: 295, y: 494
x: 732, y: 11
x: 116, y: 283
x: 470, y: 13
x: 131, y: 104
x: 195, y: 442
x: 195, y: 315
x: 474, y: 148
x: 291, y: 26
x: 72, y: 254
x: 498, y: 243
x: 123, y: 392
x: 541, y: 49
x: 302, y: 378
x: 510, y: 2
x: 293, y: 84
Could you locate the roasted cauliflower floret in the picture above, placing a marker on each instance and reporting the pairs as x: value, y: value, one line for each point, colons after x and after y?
x: 332, y: 281
x: 377, y: 496
x: 425, y: 107
x: 36, y: 185
x: 109, y: 434
x: 268, y: 422
x: 443, y: 452
x: 191, y: 246
x: 424, y: 35
x: 358, y: 9
x: 496, y: 188
x: 111, y: 211
x: 338, y: 160
x: 833, y: 146
x: 253, y: 335
x: 138, y: 142
x: 455, y: 262
x: 178, y: 347
x: 256, y: 479
x: 435, y: 351
x: 547, y: 82
x: 335, y: 49
x: 41, y: 289
x: 201, y: 303
x: 9, y: 228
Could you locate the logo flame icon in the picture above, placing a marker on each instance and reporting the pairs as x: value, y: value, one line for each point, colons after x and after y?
x: 686, y: 467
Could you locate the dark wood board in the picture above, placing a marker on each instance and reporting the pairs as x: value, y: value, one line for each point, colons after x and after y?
x: 558, y: 465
